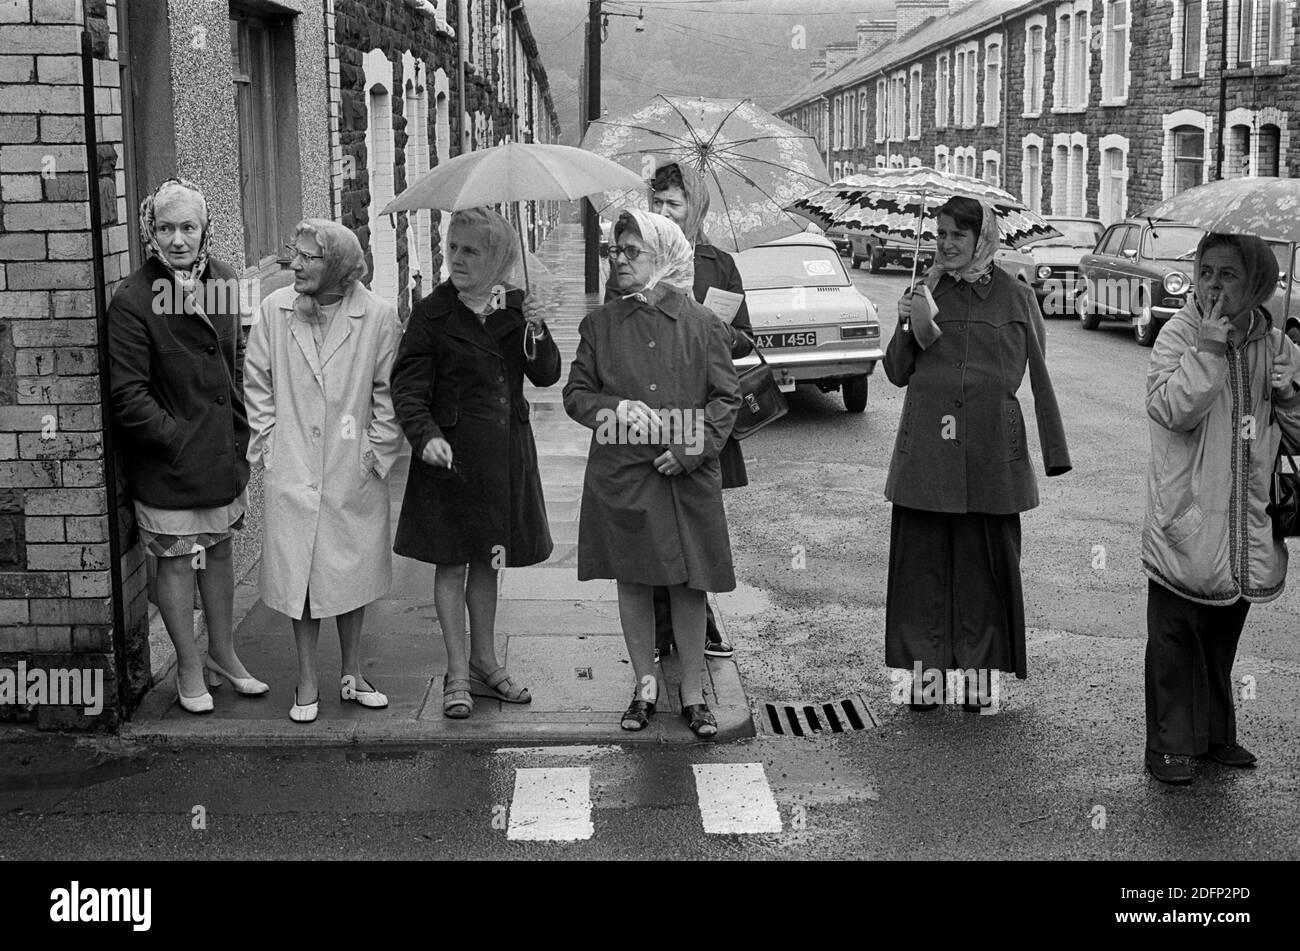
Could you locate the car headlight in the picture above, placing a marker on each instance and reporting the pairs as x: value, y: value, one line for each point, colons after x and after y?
x: 1044, y: 272
x: 1176, y: 282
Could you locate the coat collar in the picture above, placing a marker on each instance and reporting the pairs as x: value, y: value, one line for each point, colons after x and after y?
x: 353, y: 305
x: 463, y: 324
x: 670, y: 303
x: 982, y: 288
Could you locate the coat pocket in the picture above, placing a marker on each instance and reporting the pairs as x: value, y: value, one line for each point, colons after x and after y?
x: 446, y: 416
x: 1013, y: 430
x: 1184, y: 525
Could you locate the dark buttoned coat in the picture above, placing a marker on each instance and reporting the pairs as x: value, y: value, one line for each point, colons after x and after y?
x: 463, y: 381
x: 961, y: 442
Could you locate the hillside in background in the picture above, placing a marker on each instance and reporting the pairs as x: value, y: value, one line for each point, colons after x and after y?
x: 755, y: 49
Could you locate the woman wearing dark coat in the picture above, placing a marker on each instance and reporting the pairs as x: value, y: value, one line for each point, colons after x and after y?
x: 682, y: 195
x: 176, y: 367
x: 473, y: 500
x: 961, y: 473
x: 653, y: 378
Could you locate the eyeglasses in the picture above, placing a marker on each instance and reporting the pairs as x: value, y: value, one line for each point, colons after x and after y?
x: 630, y: 253
x: 294, y: 252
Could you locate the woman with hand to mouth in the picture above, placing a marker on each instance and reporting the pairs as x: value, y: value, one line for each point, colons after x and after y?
x: 1222, y: 390
x: 176, y: 359
x: 961, y: 473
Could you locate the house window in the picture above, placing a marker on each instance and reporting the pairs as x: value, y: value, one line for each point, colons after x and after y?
x: 914, y: 162
x: 1034, y: 67
x: 898, y: 107
x: 1115, y: 67
x: 880, y: 161
x: 959, y: 88
x: 882, y: 110
x: 993, y: 168
x: 1079, y: 61
x: 941, y: 158
x: 1245, y: 32
x: 941, y: 92
x: 915, y: 103
x: 1191, y: 38
x: 1060, y: 179
x: 1078, y: 167
x: 1064, y: 52
x: 1267, y: 142
x: 862, y: 118
x: 1189, y: 157
x: 972, y: 72
x: 262, y: 67
x: 1031, y: 183
x: 1278, y: 28
x: 1237, y: 162
x: 992, y: 83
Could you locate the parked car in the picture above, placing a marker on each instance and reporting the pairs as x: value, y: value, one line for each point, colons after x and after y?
x: 1018, y: 263
x: 840, y: 238
x: 813, y: 326
x: 1056, y: 260
x: 880, y: 253
x: 1140, y: 272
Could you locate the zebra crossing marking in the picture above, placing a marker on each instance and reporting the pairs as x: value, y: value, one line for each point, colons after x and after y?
x: 735, y: 798
x: 551, y: 804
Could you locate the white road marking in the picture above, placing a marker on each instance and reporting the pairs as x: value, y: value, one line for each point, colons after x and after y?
x: 551, y: 805
x: 735, y: 798
x: 558, y: 750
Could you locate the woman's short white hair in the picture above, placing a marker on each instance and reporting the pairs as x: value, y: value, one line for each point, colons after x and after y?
x: 174, y: 193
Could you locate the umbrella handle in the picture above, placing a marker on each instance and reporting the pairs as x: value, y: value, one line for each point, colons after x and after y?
x: 530, y: 340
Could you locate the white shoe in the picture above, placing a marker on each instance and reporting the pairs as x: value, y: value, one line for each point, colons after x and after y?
x: 304, y: 712
x: 200, y: 704
x: 248, y: 686
x: 367, y: 698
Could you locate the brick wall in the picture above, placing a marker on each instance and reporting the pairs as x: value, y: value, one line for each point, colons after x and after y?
x: 56, y: 605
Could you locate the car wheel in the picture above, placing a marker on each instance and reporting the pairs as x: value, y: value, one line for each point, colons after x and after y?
x: 1083, y: 307
x: 1145, y: 326
x: 877, y: 260
x: 855, y: 394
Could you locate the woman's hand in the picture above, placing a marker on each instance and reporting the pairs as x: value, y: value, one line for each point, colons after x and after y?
x: 905, y: 308
x: 437, y: 453
x: 639, y: 419
x: 535, y: 315
x: 668, y: 465
x: 1214, y: 325
x: 1286, y: 374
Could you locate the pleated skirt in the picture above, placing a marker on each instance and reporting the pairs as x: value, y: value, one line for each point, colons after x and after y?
x: 955, y: 600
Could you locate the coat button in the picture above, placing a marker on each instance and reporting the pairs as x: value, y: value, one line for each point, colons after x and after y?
x: 960, y: 364
x: 315, y: 431
x: 653, y: 387
x: 501, y: 399
x: 957, y: 402
x: 501, y: 379
x: 961, y: 328
x: 211, y: 349
x: 221, y: 399
x: 651, y: 344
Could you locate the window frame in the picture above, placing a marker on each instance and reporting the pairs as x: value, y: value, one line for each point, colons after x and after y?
x: 882, y: 110
x: 994, y: 46
x: 916, y: 79
x: 1116, y: 36
x: 1033, y: 91
x: 1032, y: 199
x: 941, y: 84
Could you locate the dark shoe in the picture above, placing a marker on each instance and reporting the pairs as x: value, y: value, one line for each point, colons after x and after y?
x: 701, y: 720
x: 638, y: 715
x: 1230, y: 754
x: 1169, y: 768
x: 718, y: 648
x: 978, y: 705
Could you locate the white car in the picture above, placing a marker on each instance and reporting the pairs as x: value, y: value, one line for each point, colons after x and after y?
x: 812, y: 324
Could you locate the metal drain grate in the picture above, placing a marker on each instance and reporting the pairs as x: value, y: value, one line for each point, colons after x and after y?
x: 810, y: 719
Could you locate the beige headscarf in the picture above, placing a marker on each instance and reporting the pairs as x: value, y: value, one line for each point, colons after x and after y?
x: 986, y: 246
x: 696, y: 191
x: 344, y: 265
x: 1257, y: 259
x: 502, y: 248
x: 673, y: 256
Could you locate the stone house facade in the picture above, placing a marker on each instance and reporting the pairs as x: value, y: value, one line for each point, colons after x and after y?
x: 324, y: 108
x: 1093, y: 108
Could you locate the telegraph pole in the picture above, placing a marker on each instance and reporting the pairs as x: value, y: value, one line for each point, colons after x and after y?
x: 591, y: 223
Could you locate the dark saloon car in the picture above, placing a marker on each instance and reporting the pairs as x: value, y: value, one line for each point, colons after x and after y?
x: 1056, y: 260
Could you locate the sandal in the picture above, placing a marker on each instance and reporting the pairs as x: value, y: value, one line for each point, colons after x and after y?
x: 456, y: 701
x: 638, y: 715
x: 703, y: 724
x: 498, y: 685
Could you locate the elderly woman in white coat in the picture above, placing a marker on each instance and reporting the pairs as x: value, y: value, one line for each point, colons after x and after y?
x: 316, y: 384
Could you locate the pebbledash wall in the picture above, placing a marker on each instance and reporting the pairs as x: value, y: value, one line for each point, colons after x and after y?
x: 1108, y: 121
x: 318, y: 123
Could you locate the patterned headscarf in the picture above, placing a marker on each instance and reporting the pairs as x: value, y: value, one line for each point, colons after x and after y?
x: 673, y: 256
x: 344, y: 264
x: 167, y: 192
x: 501, y: 246
x: 980, y: 268
x: 696, y: 191
x: 1257, y: 259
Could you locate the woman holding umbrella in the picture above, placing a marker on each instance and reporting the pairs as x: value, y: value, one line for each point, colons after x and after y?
x: 473, y: 500
x: 655, y: 366
x: 681, y: 195
x: 960, y: 474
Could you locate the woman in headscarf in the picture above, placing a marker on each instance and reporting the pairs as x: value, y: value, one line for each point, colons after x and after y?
x: 473, y: 500
x: 961, y: 473
x: 1221, y: 392
x: 653, y: 378
x: 681, y: 194
x: 176, y: 359
x: 319, y: 360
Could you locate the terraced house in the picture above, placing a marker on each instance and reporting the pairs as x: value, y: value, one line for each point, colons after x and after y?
x: 278, y: 110
x: 1090, y: 108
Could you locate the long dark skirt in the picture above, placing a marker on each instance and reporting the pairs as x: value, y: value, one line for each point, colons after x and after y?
x: 954, y: 596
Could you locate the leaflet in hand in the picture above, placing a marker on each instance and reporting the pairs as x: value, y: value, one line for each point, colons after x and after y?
x: 723, y: 303
x: 924, y: 310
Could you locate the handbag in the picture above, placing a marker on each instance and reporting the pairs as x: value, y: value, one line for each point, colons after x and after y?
x: 1284, y: 489
x: 761, y: 400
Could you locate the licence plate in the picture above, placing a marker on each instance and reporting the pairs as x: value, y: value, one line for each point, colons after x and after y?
x: 802, y: 338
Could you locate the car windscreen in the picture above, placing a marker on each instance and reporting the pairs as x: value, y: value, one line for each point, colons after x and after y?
x: 1167, y: 243
x: 798, y: 265
x: 1074, y: 234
